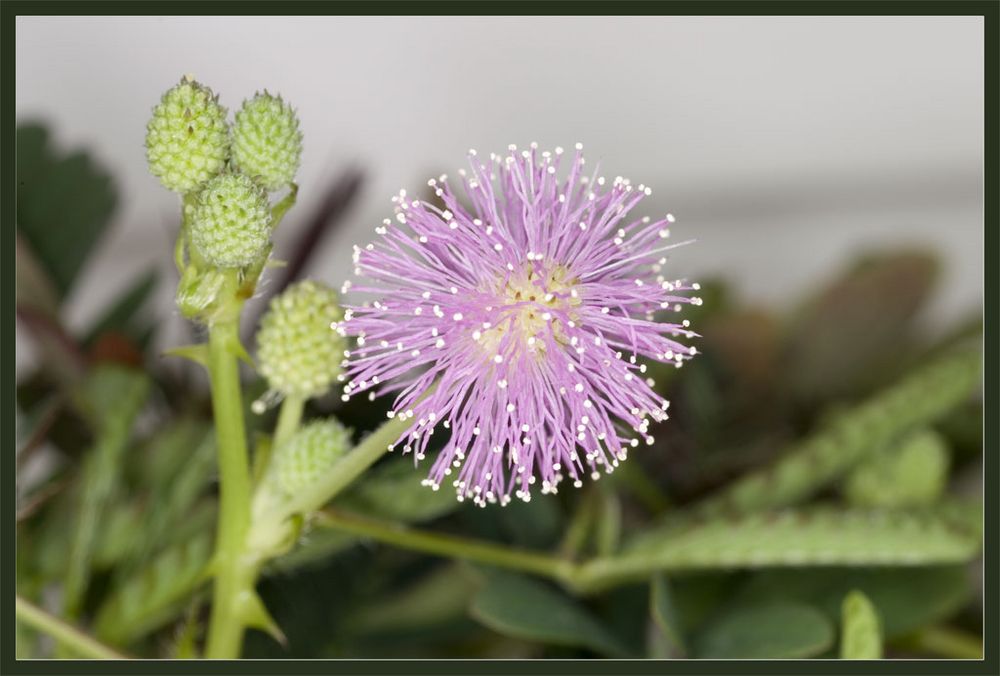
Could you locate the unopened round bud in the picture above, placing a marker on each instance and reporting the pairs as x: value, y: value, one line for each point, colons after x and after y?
x: 297, y: 349
x: 187, y: 140
x: 230, y: 223
x: 309, y: 453
x: 267, y: 143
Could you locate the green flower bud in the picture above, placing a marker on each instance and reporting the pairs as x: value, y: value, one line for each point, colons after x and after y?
x: 187, y: 140
x: 230, y: 223
x: 311, y: 451
x: 267, y: 143
x: 297, y: 350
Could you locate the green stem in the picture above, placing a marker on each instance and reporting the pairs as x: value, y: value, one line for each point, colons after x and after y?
x: 757, y: 542
x: 289, y: 418
x: 234, y: 573
x: 65, y: 633
x: 281, y: 208
x: 181, y: 250
x: 499, y: 555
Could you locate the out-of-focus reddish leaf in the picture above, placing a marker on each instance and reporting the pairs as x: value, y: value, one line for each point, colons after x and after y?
x: 62, y: 357
x: 323, y: 220
x: 858, y: 327
x: 117, y: 348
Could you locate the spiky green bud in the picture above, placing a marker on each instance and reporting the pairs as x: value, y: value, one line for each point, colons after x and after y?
x: 297, y: 350
x: 310, y: 452
x: 267, y: 143
x: 230, y: 223
x: 187, y: 140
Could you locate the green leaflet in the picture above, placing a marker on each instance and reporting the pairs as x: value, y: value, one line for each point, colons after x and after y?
x: 113, y: 396
x: 521, y: 607
x: 156, y: 594
x: 175, y: 493
x: 774, y: 631
x: 435, y: 598
x: 185, y: 642
x: 816, y: 536
x: 917, y: 399
x: 905, y: 598
x: 860, y: 632
x: 392, y: 490
x: 667, y: 640
x: 170, y: 476
x: 913, y: 472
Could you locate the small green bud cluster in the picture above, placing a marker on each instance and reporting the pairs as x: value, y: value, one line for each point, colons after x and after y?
x: 224, y: 171
x: 297, y: 350
x: 309, y: 453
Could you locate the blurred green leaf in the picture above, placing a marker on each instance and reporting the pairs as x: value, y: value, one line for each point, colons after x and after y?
x: 124, y: 313
x: 905, y: 598
x: 521, y: 607
x: 392, y: 490
x: 185, y: 645
x: 535, y: 524
x: 156, y: 594
x: 440, y: 596
x: 911, y: 473
x: 64, y: 203
x: 860, y: 633
x: 179, y: 469
x: 314, y: 548
x: 608, y: 527
x: 917, y: 399
x: 118, y: 529
x: 668, y: 640
x: 774, y: 631
x: 816, y: 536
x: 114, y: 396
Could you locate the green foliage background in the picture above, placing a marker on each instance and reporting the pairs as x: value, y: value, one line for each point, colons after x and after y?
x: 814, y: 495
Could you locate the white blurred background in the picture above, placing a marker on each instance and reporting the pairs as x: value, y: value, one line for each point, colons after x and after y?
x: 784, y: 145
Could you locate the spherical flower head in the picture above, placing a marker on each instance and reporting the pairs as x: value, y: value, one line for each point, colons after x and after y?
x: 187, y: 140
x: 298, y: 350
x: 267, y: 143
x: 310, y: 452
x: 534, y: 311
x: 230, y: 223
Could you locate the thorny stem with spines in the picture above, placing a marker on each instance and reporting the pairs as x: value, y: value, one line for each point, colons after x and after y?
x: 234, y: 574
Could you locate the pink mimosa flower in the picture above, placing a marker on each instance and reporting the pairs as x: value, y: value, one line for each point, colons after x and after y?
x: 530, y: 308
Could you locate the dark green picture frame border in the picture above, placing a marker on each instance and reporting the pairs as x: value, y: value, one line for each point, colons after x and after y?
x: 988, y: 9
